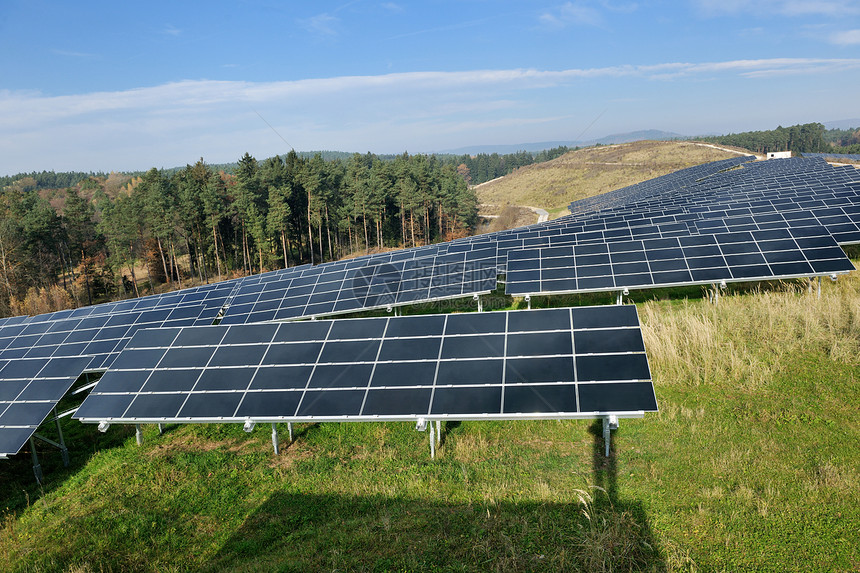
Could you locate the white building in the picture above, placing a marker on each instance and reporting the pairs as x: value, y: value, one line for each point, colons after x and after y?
x: 779, y: 155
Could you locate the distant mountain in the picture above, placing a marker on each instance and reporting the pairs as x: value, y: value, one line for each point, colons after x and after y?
x: 842, y: 124
x: 650, y: 134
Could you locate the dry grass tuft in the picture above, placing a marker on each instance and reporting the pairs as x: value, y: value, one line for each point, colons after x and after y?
x: 611, y: 540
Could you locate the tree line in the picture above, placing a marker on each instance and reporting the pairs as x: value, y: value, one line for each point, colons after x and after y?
x: 808, y: 137
x: 483, y: 167
x: 843, y: 140
x: 92, y: 240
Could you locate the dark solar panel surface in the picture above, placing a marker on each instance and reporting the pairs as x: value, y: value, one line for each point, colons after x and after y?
x: 695, y: 259
x: 541, y: 363
x: 29, y: 389
x: 349, y: 286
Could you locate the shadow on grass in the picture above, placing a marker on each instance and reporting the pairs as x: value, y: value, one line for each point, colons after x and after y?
x: 19, y: 487
x: 306, y: 531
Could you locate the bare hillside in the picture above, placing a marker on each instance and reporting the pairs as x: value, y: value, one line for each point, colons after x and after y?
x: 586, y: 172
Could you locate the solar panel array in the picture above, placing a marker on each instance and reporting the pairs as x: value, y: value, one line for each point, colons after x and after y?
x: 848, y: 156
x: 42, y: 356
x: 695, y: 259
x: 344, y: 287
x: 728, y: 220
x: 555, y: 363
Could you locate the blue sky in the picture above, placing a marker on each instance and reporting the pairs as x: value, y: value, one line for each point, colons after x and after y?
x: 131, y: 85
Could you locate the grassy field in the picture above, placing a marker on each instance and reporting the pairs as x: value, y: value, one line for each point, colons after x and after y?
x: 752, y: 464
x: 554, y: 184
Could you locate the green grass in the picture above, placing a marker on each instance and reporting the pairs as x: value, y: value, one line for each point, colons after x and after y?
x: 752, y: 464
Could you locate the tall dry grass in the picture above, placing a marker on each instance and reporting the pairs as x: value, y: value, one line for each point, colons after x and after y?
x: 697, y: 342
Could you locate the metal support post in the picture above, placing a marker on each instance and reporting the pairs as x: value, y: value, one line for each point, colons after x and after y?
x: 138, y: 434
x: 275, y: 442
x: 290, y: 430
x: 160, y: 429
x: 529, y: 301
x: 606, y: 435
x: 620, y: 298
x: 64, y: 451
x: 609, y: 423
x: 819, y: 287
x: 439, y: 432
x: 37, y: 467
x: 432, y: 441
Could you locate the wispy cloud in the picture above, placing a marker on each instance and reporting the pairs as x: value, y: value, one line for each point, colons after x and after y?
x: 171, y: 30
x: 583, y: 13
x: 392, y: 7
x: 846, y: 38
x: 73, y: 54
x: 832, y: 8
x: 577, y: 13
x: 321, y: 25
x: 168, y: 124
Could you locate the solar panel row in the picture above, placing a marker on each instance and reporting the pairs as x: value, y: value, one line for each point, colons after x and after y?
x: 695, y: 259
x: 542, y: 363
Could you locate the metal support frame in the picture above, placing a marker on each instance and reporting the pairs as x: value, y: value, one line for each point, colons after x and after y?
x: 477, y: 297
x: 714, y: 294
x: 529, y: 301
x: 435, y: 435
x: 610, y: 423
x: 61, y: 445
x: 37, y: 467
x: 138, y: 434
x: 290, y: 430
x: 275, y: 442
x: 819, y: 287
x: 64, y: 451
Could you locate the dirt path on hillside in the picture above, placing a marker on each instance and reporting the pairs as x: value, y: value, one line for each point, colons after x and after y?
x: 712, y: 146
x: 542, y: 214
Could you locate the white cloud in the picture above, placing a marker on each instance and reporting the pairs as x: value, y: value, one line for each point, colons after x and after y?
x: 846, y: 38
x: 174, y: 123
x: 321, y: 25
x: 577, y: 13
x: 831, y: 8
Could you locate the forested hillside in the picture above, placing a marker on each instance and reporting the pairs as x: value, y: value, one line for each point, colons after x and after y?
x: 806, y: 138
x: 95, y: 238
x: 483, y: 167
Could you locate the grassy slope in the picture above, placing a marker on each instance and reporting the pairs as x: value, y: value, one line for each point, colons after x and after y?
x: 751, y: 464
x: 586, y: 172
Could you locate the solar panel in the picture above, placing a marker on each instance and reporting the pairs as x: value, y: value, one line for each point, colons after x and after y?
x: 347, y: 286
x: 29, y: 389
x: 42, y: 358
x: 696, y: 259
x: 551, y: 363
